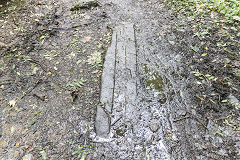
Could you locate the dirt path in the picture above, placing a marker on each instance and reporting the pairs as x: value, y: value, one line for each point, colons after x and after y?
x: 51, y: 69
x: 150, y: 131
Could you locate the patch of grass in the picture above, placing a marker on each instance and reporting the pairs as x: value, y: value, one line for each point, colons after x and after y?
x: 50, y: 55
x: 78, y: 151
x: 75, y: 84
x: 74, y: 42
x: 230, y: 9
x: 82, y: 151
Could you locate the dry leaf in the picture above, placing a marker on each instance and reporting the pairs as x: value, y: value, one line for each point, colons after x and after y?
x: 82, y: 15
x: 148, y: 157
x: 86, y: 39
x: 95, y: 58
x: 18, y: 142
x: 12, y: 103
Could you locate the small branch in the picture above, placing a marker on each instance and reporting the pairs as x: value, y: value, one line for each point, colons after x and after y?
x: 181, y: 118
x: 117, y: 120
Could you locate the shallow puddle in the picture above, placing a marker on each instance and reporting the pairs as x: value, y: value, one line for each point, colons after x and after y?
x: 153, y: 80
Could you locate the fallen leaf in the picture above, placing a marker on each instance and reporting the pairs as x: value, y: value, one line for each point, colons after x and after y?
x: 96, y: 71
x: 12, y: 103
x: 86, y: 39
x: 26, y: 146
x: 82, y: 15
x: 224, y: 101
x: 148, y: 157
x: 18, y: 142
x: 95, y: 59
x: 195, y: 48
x: 34, y: 70
x: 44, y: 154
x: 237, y: 18
x: 12, y: 129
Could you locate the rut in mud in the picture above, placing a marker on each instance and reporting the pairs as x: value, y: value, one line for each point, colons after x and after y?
x: 51, y: 67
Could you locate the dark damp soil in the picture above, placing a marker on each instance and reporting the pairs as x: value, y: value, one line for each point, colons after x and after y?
x: 50, y: 67
x: 210, y: 47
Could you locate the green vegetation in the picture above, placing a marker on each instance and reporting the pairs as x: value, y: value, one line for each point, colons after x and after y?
x: 212, y: 27
x: 75, y: 84
x: 230, y: 9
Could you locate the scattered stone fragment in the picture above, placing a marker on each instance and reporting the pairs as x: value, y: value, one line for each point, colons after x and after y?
x: 85, y: 4
x: 154, y: 127
x: 27, y: 157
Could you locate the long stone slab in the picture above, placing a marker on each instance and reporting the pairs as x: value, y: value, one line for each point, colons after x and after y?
x: 118, y: 78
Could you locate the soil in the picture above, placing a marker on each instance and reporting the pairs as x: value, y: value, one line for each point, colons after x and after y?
x: 50, y: 72
x: 47, y: 74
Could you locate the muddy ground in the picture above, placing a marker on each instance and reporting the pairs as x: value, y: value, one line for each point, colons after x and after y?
x: 50, y: 68
x: 50, y: 71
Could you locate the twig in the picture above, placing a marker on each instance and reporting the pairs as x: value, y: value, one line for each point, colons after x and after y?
x: 117, y: 120
x: 191, y: 116
x: 181, y: 118
x: 72, y: 27
x: 105, y: 110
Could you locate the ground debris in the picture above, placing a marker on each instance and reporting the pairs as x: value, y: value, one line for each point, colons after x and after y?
x: 28, y: 157
x: 40, y: 96
x: 154, y: 127
x: 3, y: 143
x: 86, y: 4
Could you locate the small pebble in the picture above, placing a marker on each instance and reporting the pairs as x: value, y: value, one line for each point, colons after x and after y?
x: 154, y: 127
